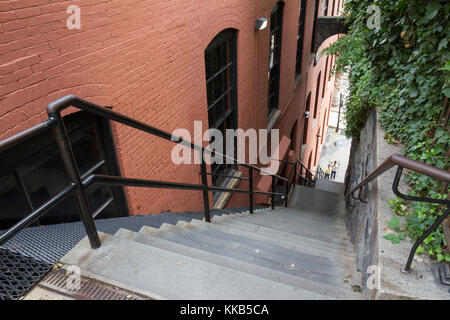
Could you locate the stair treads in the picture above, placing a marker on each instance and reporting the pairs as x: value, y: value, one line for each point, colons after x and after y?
x: 330, y: 186
x: 284, y: 239
x: 303, y: 221
x: 288, y: 226
x: 314, y: 200
x: 175, y: 276
x: 145, y: 237
x: 261, y: 254
x: 314, y: 217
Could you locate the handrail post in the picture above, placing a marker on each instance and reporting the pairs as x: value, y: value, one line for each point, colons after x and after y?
x: 70, y: 165
x: 273, y: 193
x: 288, y: 186
x: 295, y: 175
x: 286, y: 194
x: 439, y: 220
x: 250, y: 182
x: 205, y: 191
x: 300, y: 180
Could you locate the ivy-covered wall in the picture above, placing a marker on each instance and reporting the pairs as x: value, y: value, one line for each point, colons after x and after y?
x: 398, y: 59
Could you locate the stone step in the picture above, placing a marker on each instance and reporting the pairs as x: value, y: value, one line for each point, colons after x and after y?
x: 283, y: 224
x: 230, y: 234
x: 330, y: 291
x: 330, y: 186
x: 175, y: 276
x: 305, y: 222
x: 311, y: 216
x: 284, y: 239
x: 317, y: 201
x: 314, y: 268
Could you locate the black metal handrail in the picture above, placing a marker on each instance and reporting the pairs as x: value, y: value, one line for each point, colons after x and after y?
x: 404, y: 162
x: 306, y: 179
x: 79, y: 183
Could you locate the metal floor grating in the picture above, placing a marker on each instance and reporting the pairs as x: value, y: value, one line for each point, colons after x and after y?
x: 30, y: 255
x: 19, y: 273
x: 52, y: 242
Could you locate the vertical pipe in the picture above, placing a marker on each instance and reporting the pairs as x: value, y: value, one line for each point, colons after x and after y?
x: 295, y: 175
x: 300, y: 180
x: 286, y: 192
x: 433, y: 227
x: 70, y: 165
x: 205, y: 191
x: 26, y: 196
x: 250, y: 182
x: 339, y: 113
x: 273, y: 192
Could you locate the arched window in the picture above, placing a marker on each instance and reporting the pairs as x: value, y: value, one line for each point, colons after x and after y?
x: 221, y: 87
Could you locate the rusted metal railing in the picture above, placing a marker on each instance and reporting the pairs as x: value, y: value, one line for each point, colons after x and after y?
x: 406, y: 163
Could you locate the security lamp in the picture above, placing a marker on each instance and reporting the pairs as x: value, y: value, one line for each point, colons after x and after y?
x: 306, y: 114
x: 260, y: 24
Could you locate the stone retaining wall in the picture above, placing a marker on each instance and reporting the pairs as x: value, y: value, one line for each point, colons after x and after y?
x: 361, y: 216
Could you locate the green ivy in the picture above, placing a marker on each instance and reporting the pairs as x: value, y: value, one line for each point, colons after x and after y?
x: 403, y: 70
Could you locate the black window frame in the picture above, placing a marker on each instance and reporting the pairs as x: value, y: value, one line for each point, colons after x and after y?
x: 276, y: 31
x: 313, y: 39
x: 325, y: 8
x: 300, y: 37
x: 39, y: 155
x: 222, y: 107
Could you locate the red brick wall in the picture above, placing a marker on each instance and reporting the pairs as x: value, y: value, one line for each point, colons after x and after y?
x: 146, y: 59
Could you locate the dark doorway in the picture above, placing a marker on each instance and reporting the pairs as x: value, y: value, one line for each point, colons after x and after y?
x: 32, y: 172
x: 221, y: 85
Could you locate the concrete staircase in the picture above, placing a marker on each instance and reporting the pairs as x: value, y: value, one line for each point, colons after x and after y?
x: 299, y: 252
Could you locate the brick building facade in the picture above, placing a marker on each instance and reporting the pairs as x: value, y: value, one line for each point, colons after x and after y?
x: 146, y: 59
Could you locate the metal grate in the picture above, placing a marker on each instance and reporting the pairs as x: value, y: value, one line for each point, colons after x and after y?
x: 18, y: 274
x: 52, y: 242
x: 90, y: 289
x: 27, y: 257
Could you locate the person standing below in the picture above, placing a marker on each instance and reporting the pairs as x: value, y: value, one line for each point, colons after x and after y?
x: 327, y: 173
x: 334, y: 169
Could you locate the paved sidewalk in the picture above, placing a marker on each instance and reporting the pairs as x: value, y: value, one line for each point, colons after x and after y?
x: 337, y: 146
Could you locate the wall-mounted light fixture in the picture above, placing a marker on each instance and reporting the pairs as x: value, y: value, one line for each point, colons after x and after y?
x: 319, y: 136
x: 261, y: 23
x: 307, y: 114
